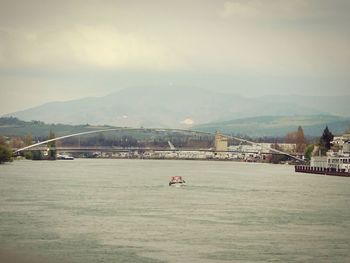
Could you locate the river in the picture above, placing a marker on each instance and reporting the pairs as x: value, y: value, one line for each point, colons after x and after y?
x: 105, y: 210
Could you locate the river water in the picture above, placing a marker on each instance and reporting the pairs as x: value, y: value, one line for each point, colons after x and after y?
x: 104, y: 210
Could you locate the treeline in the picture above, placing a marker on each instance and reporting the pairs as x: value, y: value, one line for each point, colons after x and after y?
x: 127, y: 141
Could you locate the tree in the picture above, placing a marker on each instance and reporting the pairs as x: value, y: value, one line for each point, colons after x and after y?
x: 308, y: 151
x: 37, y: 155
x: 52, y: 147
x: 16, y: 142
x: 325, y: 141
x: 5, y: 152
x: 28, y: 155
x: 290, y: 137
x: 298, y: 138
x: 28, y: 140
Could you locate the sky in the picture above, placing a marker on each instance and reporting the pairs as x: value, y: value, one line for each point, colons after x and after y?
x: 64, y: 50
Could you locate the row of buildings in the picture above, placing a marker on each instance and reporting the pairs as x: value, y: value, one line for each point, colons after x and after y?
x: 221, y: 151
x: 337, y: 158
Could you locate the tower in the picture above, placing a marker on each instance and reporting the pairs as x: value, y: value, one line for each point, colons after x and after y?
x: 221, y: 142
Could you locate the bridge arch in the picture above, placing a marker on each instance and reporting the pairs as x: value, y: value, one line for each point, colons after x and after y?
x: 156, y: 129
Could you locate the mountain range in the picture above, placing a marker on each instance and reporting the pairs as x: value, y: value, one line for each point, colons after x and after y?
x: 184, y: 108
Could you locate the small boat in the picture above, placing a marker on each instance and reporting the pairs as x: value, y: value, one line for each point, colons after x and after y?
x: 64, y: 157
x: 177, y: 181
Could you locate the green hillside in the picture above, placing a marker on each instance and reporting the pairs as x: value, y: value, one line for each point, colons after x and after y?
x: 277, y: 126
x: 10, y: 126
x: 313, y: 125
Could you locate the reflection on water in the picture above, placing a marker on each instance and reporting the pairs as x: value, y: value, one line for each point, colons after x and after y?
x: 124, y: 211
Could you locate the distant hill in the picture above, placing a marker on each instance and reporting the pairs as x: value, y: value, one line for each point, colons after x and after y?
x: 10, y: 126
x: 278, y: 126
x: 263, y: 126
x: 178, y: 108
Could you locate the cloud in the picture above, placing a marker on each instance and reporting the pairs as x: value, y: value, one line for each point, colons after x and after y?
x: 269, y: 37
x: 96, y: 46
x: 272, y: 10
x: 281, y: 37
x: 240, y: 9
x: 66, y: 49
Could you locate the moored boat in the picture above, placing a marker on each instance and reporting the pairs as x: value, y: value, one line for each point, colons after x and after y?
x: 322, y: 170
x: 336, y: 165
x: 64, y: 157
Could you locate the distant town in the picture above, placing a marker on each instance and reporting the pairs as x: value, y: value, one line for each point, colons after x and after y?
x: 141, y: 143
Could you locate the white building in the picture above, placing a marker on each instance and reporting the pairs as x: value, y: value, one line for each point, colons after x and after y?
x: 331, y: 161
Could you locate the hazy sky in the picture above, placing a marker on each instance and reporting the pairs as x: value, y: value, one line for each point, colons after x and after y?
x: 61, y: 50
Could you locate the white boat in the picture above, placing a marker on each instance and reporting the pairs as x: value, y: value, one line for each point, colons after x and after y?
x: 177, y: 181
x: 64, y: 157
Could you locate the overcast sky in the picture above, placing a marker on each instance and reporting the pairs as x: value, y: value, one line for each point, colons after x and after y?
x: 62, y: 50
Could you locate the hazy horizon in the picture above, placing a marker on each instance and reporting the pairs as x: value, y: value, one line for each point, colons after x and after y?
x: 178, y: 88
x: 59, y: 51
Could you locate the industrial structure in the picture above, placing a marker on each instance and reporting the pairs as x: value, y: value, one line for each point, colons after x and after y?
x: 221, y: 142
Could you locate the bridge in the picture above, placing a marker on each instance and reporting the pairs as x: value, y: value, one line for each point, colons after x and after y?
x: 114, y: 149
x: 269, y: 150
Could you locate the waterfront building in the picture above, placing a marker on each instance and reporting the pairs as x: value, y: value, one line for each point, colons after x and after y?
x: 346, y: 147
x: 339, y: 162
x: 334, y: 163
x: 342, y: 143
